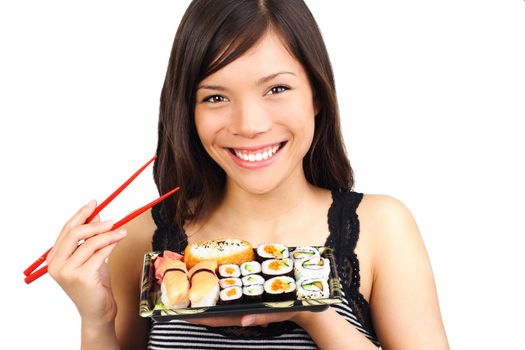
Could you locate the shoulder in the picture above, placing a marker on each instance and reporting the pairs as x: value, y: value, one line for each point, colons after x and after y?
x: 403, y: 293
x: 386, y: 217
x: 137, y: 242
x: 391, y: 230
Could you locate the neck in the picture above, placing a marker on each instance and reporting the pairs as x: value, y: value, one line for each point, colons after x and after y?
x: 268, y: 214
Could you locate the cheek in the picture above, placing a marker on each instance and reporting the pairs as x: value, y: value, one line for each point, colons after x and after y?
x: 206, y: 126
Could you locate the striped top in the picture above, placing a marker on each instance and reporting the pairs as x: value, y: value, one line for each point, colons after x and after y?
x: 344, y: 233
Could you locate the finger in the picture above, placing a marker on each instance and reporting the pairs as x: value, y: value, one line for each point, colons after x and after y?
x: 220, y: 321
x: 264, y: 319
x: 70, y: 241
x: 77, y: 219
x: 94, y: 244
x: 99, y: 258
x: 96, y: 219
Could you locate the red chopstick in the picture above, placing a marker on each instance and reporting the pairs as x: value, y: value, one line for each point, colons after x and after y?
x: 32, y: 275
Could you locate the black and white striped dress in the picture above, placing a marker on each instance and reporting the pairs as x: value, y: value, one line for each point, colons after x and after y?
x: 344, y: 233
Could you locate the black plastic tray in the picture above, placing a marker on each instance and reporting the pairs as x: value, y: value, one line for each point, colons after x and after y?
x: 151, y: 306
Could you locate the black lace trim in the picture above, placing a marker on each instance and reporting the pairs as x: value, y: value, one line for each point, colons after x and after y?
x: 343, y: 223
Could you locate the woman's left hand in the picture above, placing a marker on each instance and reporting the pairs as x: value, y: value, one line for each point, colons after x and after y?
x: 250, y: 319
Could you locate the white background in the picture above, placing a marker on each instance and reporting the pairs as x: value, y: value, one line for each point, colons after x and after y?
x: 431, y: 96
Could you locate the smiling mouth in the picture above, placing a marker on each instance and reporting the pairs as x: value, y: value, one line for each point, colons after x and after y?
x: 257, y: 155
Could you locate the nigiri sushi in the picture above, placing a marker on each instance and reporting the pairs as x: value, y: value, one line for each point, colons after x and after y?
x: 171, y: 273
x: 204, y: 289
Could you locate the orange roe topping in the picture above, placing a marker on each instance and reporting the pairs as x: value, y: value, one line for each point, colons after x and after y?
x: 274, y: 265
x: 229, y: 270
x: 230, y: 282
x: 279, y: 285
x: 270, y: 249
x: 231, y: 292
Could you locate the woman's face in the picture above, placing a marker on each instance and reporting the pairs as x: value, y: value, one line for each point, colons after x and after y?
x: 255, y: 117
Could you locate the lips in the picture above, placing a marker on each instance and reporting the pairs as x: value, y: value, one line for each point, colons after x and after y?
x: 258, y: 154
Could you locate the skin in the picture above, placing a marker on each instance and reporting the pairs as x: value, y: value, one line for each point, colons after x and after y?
x: 244, y: 105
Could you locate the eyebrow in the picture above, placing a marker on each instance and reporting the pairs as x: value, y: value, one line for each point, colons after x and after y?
x: 259, y: 81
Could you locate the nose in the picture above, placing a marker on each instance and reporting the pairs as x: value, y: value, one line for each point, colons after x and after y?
x: 250, y: 119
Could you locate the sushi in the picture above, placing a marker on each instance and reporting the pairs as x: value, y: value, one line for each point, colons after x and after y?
x: 304, y: 253
x: 280, y: 288
x: 225, y: 251
x: 253, y: 293
x: 312, y: 288
x: 252, y: 279
x: 229, y: 270
x: 250, y: 267
x: 277, y: 267
x: 171, y: 273
x: 230, y: 282
x: 272, y: 251
x: 315, y: 267
x: 204, y: 289
x: 231, y: 295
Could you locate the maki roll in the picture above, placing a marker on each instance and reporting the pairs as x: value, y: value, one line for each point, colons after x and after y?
x: 231, y: 295
x: 253, y: 293
x: 229, y: 270
x: 315, y: 267
x: 312, y: 288
x: 280, y: 288
x: 304, y: 253
x: 272, y: 251
x: 250, y: 267
x: 277, y: 267
x: 230, y: 282
x: 252, y: 279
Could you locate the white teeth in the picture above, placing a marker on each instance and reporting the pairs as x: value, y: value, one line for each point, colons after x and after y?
x: 257, y: 157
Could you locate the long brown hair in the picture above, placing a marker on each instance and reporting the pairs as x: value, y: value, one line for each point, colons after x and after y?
x: 211, y: 35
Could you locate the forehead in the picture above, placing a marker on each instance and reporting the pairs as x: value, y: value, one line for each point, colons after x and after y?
x: 267, y: 56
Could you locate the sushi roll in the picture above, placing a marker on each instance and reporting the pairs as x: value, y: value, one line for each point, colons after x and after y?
x: 229, y: 270
x: 231, y: 295
x: 304, y: 253
x: 315, y: 267
x: 253, y: 293
x: 250, y: 267
x: 252, y: 279
x: 277, y: 267
x: 312, y: 288
x: 280, y: 288
x: 272, y: 251
x: 230, y: 282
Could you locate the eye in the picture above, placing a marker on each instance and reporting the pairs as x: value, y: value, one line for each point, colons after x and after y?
x: 277, y: 89
x: 214, y: 99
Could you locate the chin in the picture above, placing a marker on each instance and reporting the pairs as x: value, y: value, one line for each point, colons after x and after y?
x: 257, y: 189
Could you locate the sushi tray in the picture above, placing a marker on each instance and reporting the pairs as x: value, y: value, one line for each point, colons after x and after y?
x: 230, y: 277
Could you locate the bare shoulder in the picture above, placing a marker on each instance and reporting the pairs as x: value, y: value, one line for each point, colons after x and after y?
x: 388, y: 223
x: 125, y: 266
x: 403, y: 298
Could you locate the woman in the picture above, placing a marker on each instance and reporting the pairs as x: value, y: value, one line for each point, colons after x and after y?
x: 249, y: 129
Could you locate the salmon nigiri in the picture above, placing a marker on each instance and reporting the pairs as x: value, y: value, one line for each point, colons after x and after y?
x: 204, y: 289
x: 172, y: 275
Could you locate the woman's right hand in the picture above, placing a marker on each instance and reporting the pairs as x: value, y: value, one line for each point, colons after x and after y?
x: 81, y: 270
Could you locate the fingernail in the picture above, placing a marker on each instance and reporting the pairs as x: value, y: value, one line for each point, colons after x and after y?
x: 122, y: 232
x: 248, y: 321
x: 92, y: 203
